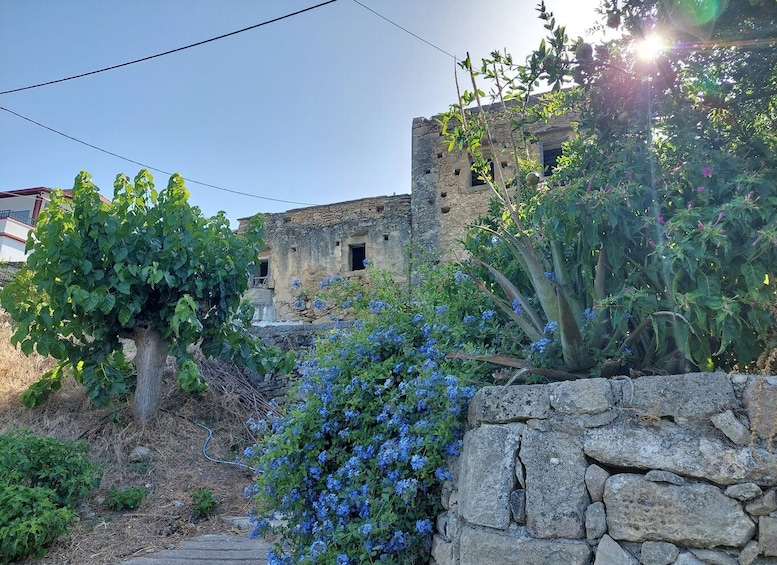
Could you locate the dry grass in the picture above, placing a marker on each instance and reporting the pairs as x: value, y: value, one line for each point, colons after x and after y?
x: 175, y: 471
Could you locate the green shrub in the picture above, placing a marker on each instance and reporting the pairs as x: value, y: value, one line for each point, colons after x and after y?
x: 42, y: 479
x: 62, y: 466
x: 126, y: 499
x: 29, y: 521
x: 204, y: 503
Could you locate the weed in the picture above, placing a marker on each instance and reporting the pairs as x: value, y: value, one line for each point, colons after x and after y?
x: 204, y: 503
x: 126, y: 499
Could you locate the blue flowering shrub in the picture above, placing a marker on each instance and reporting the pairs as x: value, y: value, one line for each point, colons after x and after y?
x: 356, y: 465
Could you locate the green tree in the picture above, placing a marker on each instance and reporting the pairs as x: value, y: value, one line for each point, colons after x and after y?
x: 147, y: 266
x: 653, y: 240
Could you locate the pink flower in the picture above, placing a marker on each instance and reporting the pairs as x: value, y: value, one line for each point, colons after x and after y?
x: 700, y: 226
x: 651, y: 243
x: 660, y: 219
x: 706, y: 172
x: 700, y: 189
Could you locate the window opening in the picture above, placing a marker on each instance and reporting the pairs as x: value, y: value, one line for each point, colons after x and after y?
x: 475, y: 178
x: 550, y: 158
x: 358, y: 255
x: 261, y: 274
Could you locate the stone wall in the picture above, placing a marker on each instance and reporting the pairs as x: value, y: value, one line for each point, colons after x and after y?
x: 310, y: 244
x: 655, y: 470
x: 446, y: 198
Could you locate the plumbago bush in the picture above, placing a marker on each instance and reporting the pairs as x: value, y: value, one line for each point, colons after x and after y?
x: 652, y: 245
x: 357, y: 463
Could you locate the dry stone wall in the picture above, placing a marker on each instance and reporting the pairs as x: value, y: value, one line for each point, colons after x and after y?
x: 656, y: 470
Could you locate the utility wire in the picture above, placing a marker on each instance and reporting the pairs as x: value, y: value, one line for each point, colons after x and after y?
x: 176, y: 50
x: 70, y: 137
x: 440, y: 49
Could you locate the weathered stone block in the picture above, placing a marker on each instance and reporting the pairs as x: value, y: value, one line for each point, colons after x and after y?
x: 749, y: 553
x: 658, y: 553
x: 664, y: 477
x: 487, y: 547
x: 595, y: 477
x: 502, y: 404
x: 595, y: 521
x: 556, y: 495
x: 732, y: 428
x: 584, y: 396
x: 743, y: 491
x: 608, y: 552
x: 715, y: 557
x: 679, y: 450
x: 692, y: 396
x: 760, y: 400
x: 695, y: 515
x: 487, y: 476
x: 767, y: 535
x: 688, y: 558
x: 764, y: 505
x: 442, y: 551
x: 518, y: 506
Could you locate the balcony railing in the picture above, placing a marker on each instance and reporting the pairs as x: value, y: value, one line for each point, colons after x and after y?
x: 18, y: 216
x: 258, y: 282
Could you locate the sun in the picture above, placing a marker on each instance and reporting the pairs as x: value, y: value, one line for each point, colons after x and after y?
x: 648, y: 48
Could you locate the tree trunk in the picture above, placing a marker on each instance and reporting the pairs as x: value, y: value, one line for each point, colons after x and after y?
x: 150, y: 365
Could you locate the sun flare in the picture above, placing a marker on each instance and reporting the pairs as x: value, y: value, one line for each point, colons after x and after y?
x: 650, y: 47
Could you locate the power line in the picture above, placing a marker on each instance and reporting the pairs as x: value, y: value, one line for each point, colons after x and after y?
x: 70, y: 137
x: 176, y: 50
x: 440, y: 49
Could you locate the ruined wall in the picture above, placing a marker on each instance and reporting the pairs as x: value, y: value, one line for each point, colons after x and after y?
x: 656, y: 470
x: 446, y: 199
x: 311, y: 243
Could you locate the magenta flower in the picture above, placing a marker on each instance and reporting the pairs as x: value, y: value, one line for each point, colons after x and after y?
x: 700, y: 226
x: 700, y: 189
x: 706, y: 172
x: 660, y: 219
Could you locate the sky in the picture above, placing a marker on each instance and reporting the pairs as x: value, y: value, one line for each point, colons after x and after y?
x: 313, y: 109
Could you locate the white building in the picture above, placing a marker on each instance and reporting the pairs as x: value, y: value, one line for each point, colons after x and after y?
x: 18, y: 211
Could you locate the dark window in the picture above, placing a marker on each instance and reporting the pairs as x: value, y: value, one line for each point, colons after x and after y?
x: 476, y: 180
x: 550, y: 159
x: 358, y: 255
x: 260, y: 274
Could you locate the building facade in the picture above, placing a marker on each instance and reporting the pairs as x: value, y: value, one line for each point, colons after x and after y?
x: 305, y: 245
x: 19, y: 210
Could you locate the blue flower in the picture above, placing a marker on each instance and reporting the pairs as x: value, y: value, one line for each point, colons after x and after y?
x: 378, y: 306
x: 299, y: 304
x: 459, y: 276
x: 442, y: 474
x: 417, y: 462
x: 540, y: 346
x: 365, y: 529
x: 550, y: 327
x: 441, y: 310
x: 423, y: 526
x: 627, y: 350
x: 367, y: 262
x: 295, y: 283
x: 551, y: 276
x: 516, y: 306
x: 469, y: 319
x: 488, y: 314
x: 589, y: 314
x: 342, y: 559
x: 319, y: 303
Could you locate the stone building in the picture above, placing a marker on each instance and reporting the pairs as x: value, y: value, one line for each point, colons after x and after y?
x: 308, y: 244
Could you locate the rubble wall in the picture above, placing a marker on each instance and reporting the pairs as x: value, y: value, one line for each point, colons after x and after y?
x: 656, y: 470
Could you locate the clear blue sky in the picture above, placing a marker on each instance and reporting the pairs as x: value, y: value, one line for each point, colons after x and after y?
x: 312, y: 109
